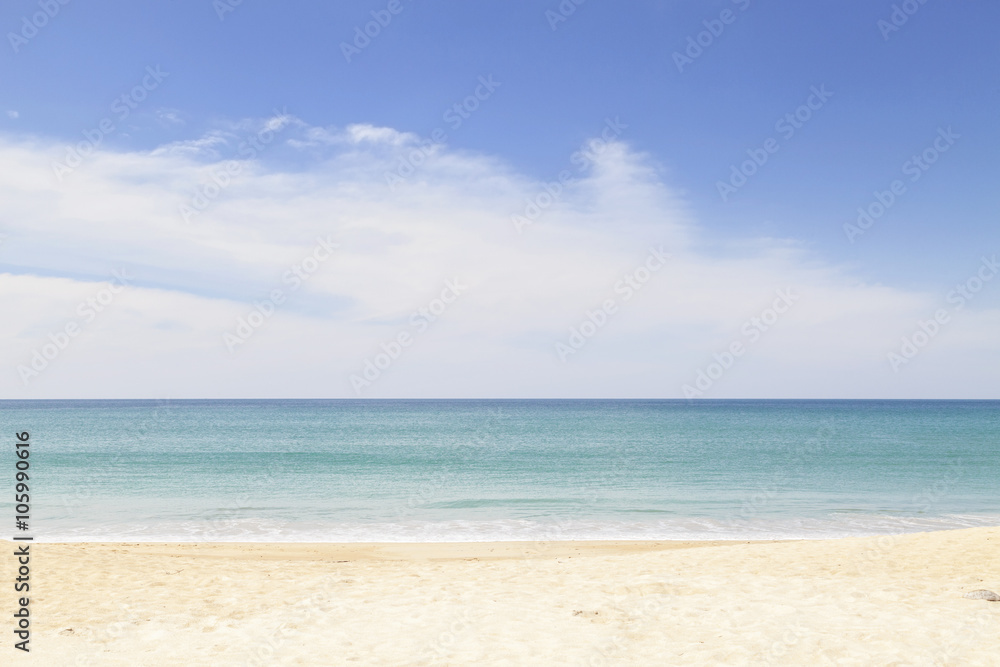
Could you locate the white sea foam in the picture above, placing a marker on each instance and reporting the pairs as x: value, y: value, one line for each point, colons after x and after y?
x: 256, y: 530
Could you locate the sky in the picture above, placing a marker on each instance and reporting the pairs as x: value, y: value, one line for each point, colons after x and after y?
x: 537, y: 199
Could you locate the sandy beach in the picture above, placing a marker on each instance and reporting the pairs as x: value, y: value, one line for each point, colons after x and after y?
x: 892, y: 600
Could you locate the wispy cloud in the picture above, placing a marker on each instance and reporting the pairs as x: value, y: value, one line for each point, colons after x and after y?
x: 169, y: 117
x: 451, y: 218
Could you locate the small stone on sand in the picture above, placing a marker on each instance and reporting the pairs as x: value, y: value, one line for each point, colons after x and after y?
x: 983, y: 594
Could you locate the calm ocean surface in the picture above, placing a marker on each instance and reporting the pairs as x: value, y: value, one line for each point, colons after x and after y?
x: 460, y: 470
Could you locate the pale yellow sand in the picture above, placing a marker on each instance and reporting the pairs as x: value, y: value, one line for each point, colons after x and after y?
x: 859, y: 601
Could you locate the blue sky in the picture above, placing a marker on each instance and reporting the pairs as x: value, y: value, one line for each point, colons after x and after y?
x: 892, y: 92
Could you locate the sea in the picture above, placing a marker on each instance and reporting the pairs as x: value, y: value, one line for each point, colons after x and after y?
x: 486, y: 470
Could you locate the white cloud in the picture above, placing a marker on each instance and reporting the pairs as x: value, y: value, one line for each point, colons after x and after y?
x: 13, y: 114
x: 206, y: 146
x: 360, y: 133
x: 163, y: 337
x: 169, y: 117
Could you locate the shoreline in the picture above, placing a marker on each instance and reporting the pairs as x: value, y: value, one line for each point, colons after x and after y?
x: 510, y: 548
x: 402, y: 551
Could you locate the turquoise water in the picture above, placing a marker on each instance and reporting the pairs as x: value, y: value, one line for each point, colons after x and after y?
x: 442, y: 470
